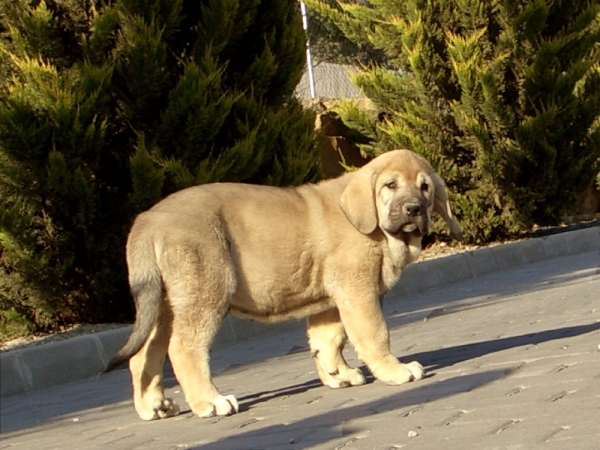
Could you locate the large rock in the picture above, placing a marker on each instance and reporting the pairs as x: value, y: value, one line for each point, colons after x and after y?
x: 337, y: 145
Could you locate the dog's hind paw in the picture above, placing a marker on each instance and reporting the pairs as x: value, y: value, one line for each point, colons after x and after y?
x: 221, y: 406
x: 351, y: 377
x: 161, y: 409
x: 227, y: 405
x: 168, y: 408
x: 343, y: 378
x: 399, y: 373
x: 411, y: 371
x: 416, y: 369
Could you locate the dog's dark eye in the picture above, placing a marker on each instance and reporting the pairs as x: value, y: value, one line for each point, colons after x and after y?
x: 424, y: 187
x: 391, y: 185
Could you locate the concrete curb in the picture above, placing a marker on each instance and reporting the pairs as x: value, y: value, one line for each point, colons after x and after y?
x: 83, y: 357
x: 479, y: 262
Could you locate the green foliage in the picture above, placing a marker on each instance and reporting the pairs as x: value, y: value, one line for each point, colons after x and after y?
x: 147, y: 178
x: 107, y: 107
x: 13, y: 325
x: 329, y: 44
x: 503, y: 97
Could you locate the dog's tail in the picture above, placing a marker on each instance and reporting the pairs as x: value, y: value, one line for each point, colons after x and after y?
x: 147, y: 288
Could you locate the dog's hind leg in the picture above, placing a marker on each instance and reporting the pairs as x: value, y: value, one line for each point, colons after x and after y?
x: 146, y: 368
x: 189, y: 351
x: 327, y: 338
x: 199, y: 297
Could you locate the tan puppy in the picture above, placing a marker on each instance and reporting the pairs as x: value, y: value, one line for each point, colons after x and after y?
x: 323, y: 251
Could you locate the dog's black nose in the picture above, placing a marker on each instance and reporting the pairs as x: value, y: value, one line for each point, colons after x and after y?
x: 412, y: 209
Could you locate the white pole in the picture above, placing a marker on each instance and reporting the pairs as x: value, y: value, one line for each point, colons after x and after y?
x: 311, y: 77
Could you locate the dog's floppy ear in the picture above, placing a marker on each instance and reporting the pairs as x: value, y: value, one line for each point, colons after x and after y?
x: 442, y: 207
x: 358, y: 201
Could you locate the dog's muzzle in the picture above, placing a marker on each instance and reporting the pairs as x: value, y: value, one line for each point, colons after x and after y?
x: 408, y: 218
x: 413, y: 213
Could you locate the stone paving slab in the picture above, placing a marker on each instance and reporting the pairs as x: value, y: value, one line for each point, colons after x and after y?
x: 513, y: 362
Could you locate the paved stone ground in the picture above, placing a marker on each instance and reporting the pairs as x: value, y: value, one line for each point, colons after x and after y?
x: 513, y: 359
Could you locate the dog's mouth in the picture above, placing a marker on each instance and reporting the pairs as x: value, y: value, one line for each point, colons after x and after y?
x: 408, y: 229
x: 411, y: 229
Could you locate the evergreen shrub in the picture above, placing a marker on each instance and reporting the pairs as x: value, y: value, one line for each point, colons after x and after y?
x: 108, y: 106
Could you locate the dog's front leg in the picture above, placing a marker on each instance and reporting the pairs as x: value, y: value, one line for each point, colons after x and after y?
x: 326, y: 337
x: 366, y: 328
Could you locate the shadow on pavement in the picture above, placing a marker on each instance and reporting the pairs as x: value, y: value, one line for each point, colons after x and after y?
x: 248, y: 401
x: 324, y: 427
x: 437, y: 359
x: 113, y: 391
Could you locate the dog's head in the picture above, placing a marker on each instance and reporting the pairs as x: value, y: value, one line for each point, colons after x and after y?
x: 397, y: 192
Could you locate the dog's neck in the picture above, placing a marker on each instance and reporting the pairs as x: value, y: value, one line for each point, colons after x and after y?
x: 401, y: 252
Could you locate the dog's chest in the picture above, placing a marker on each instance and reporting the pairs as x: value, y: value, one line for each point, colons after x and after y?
x: 395, y: 258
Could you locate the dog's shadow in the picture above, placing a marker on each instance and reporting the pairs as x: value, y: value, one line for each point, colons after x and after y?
x: 248, y: 401
x: 273, y: 436
x: 434, y: 360
x: 446, y: 357
x: 325, y: 424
